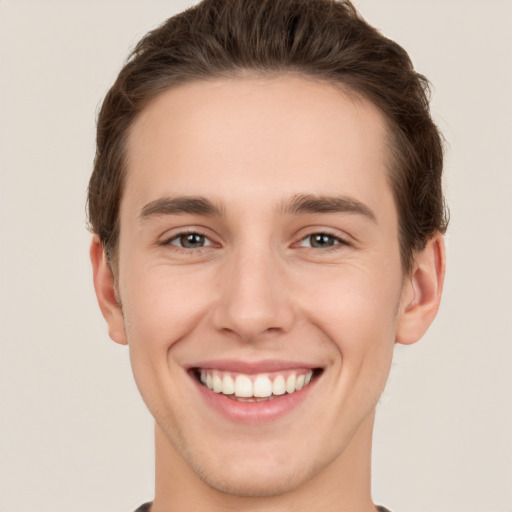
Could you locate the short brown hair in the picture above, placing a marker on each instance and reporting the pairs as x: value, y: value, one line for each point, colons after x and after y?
x: 323, y: 39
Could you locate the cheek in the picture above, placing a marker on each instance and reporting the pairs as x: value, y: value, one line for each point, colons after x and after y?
x: 357, y: 312
x: 352, y: 297
x: 161, y: 307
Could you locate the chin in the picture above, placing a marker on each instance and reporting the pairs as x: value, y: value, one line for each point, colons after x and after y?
x: 255, y: 482
x: 263, y: 471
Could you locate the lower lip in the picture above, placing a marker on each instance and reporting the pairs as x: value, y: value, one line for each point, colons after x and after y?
x: 254, y: 412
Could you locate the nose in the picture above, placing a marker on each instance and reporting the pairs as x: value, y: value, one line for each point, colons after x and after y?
x: 254, y: 300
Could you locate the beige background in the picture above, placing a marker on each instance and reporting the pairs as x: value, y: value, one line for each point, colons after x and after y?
x: 74, y: 435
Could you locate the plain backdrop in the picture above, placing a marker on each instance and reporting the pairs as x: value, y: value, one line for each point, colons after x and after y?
x: 74, y: 434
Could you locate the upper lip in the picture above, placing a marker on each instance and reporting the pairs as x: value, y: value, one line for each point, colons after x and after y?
x: 252, y: 367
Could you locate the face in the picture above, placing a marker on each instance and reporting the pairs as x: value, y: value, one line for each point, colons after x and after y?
x: 259, y: 276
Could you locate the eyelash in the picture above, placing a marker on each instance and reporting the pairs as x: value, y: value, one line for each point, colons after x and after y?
x: 183, y: 234
x: 338, y: 241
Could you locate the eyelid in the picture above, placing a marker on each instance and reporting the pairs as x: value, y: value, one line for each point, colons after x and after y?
x: 166, y: 240
x: 340, y: 239
x: 208, y: 242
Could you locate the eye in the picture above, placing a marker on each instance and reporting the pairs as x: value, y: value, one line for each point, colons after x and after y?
x: 321, y: 241
x: 190, y: 241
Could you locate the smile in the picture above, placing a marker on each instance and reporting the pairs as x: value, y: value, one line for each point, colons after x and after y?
x: 254, y: 392
x: 254, y: 387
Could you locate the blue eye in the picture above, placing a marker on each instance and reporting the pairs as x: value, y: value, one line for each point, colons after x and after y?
x: 190, y: 241
x: 321, y: 241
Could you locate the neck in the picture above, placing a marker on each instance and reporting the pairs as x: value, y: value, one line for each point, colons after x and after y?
x: 343, y: 486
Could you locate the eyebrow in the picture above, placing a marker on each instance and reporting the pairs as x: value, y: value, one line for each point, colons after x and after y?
x: 309, y: 203
x: 299, y: 204
x: 181, y: 204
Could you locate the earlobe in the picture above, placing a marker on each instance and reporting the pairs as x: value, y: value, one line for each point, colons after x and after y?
x: 104, y: 286
x: 422, y: 291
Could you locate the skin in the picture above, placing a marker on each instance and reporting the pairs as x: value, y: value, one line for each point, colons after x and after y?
x: 259, y: 290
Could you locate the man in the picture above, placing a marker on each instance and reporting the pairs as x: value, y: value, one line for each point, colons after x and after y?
x: 268, y: 215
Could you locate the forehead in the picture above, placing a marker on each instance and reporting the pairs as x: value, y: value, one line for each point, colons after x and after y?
x: 256, y: 140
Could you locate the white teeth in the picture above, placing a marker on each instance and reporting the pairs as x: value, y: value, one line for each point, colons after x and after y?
x: 228, y: 385
x: 217, y: 383
x: 261, y: 387
x: 290, y: 383
x: 243, y: 386
x: 278, y: 386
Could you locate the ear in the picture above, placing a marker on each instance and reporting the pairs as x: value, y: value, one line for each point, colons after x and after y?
x: 106, y: 293
x: 422, y: 291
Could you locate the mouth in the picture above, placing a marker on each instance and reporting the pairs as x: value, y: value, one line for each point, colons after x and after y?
x: 255, y: 387
x: 254, y: 393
